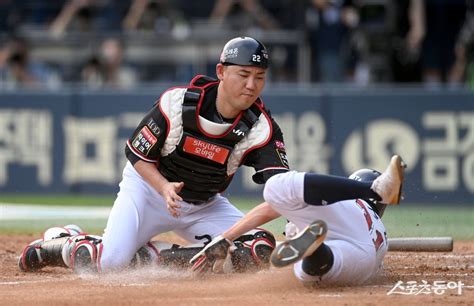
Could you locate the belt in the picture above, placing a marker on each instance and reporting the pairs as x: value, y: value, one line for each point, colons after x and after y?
x: 200, y: 202
x: 196, y: 202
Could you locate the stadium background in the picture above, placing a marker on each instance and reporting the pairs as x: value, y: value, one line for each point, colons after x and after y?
x: 351, y: 82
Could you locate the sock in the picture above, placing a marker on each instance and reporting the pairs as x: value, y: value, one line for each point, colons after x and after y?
x: 326, y: 189
x: 320, y: 262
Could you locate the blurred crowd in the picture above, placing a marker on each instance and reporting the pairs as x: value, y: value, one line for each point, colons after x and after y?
x: 428, y: 42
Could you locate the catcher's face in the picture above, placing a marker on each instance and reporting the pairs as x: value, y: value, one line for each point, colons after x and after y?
x: 240, y: 86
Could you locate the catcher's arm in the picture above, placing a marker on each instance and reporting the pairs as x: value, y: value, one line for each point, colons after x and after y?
x: 215, y: 255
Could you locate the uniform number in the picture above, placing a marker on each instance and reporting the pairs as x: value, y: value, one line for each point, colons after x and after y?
x: 256, y: 58
x: 379, y: 239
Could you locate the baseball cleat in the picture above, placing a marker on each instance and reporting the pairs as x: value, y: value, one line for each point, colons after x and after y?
x: 389, y: 184
x: 300, y: 246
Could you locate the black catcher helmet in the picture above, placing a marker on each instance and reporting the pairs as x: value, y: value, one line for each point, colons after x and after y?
x: 365, y: 175
x: 244, y: 51
x: 369, y: 175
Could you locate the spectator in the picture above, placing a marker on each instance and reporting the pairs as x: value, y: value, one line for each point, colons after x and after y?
x: 158, y: 16
x: 108, y: 69
x: 444, y: 19
x: 92, y: 74
x: 18, y: 15
x: 195, y: 12
x: 18, y: 71
x: 327, y: 23
x: 117, y: 73
x: 87, y: 16
x: 290, y: 16
x: 8, y: 16
x: 464, y: 64
x: 408, y: 34
x: 242, y: 14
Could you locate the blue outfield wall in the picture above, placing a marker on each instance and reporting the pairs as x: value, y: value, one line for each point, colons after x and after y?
x: 74, y: 141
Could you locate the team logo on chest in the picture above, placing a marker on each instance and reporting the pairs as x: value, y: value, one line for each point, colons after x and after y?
x: 205, y: 150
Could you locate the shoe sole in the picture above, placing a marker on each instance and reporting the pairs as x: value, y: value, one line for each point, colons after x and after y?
x: 400, y: 166
x: 304, y: 244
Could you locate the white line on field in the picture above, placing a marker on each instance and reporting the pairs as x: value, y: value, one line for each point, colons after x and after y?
x: 433, y: 274
x: 437, y: 266
x: 9, y: 211
x: 458, y: 266
x: 411, y: 255
x: 129, y: 285
x: 25, y: 282
x: 441, y: 266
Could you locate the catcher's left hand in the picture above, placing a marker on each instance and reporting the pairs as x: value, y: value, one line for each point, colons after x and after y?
x: 214, y: 257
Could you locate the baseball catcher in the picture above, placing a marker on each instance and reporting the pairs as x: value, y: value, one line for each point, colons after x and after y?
x: 70, y: 247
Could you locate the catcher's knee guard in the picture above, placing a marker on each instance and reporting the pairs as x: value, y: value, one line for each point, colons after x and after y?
x: 253, y: 250
x: 84, y: 253
x: 47, y: 251
x: 145, y: 255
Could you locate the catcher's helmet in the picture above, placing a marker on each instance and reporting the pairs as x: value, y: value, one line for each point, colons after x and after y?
x: 244, y: 51
x: 365, y: 175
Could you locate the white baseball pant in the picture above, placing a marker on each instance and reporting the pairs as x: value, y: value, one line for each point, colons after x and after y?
x: 356, y: 235
x: 139, y: 213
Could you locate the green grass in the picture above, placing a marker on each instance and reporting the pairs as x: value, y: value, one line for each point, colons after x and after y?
x: 90, y: 200
x: 60, y: 199
x: 406, y: 220
x: 430, y: 221
x: 37, y: 227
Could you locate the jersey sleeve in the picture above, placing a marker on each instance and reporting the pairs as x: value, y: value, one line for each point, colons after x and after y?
x: 270, y: 159
x: 148, y: 138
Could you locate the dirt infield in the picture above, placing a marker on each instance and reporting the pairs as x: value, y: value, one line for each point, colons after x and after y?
x: 57, y: 286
